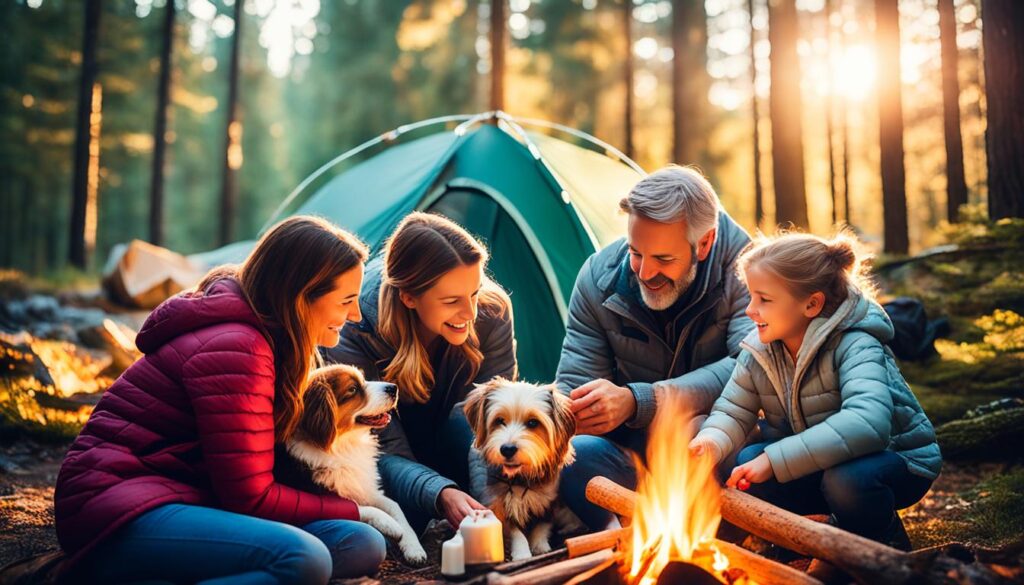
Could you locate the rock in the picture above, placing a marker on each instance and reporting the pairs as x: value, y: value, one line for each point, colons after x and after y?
x: 988, y: 436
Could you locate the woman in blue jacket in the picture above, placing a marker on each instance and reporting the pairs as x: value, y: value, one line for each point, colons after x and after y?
x: 435, y: 325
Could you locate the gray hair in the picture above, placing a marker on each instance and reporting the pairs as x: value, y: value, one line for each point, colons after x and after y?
x: 673, y: 194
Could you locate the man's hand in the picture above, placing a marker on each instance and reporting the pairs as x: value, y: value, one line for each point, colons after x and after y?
x: 757, y: 470
x: 601, y: 406
x: 456, y: 505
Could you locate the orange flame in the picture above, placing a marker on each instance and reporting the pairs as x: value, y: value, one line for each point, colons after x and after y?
x: 677, y: 506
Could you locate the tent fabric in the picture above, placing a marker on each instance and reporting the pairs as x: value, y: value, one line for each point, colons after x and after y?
x: 542, y: 205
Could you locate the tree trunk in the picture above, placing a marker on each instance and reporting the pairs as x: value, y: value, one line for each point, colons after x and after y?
x: 627, y: 74
x: 956, y: 184
x: 829, y: 106
x: 498, y: 33
x: 890, y: 119
x: 758, y: 189
x: 77, y: 252
x: 785, y: 106
x: 689, y: 82
x: 844, y: 138
x: 156, y: 190
x: 1004, y: 78
x: 232, y: 140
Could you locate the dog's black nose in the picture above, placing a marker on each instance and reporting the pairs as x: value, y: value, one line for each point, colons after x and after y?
x: 391, y: 389
x: 509, y: 451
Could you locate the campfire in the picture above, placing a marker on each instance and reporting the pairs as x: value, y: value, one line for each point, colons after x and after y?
x: 678, y: 504
x: 670, y: 524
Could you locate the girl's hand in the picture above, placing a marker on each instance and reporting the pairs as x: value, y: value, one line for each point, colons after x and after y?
x: 456, y: 505
x: 701, y: 446
x: 758, y: 470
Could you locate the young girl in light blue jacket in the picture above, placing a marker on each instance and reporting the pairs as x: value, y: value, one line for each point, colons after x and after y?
x: 842, y: 432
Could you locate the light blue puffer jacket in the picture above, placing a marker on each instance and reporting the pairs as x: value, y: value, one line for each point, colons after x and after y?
x: 849, y: 400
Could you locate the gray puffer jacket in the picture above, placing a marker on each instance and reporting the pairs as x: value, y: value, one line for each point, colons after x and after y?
x: 611, y: 335
x: 842, y: 399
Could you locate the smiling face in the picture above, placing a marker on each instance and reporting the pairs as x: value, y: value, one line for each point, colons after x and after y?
x: 449, y: 307
x: 329, y: 313
x: 779, y: 314
x: 663, y: 259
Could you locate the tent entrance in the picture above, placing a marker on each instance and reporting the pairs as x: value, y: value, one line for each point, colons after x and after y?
x: 518, y: 261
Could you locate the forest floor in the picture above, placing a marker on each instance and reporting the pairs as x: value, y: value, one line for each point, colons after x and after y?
x: 972, y: 389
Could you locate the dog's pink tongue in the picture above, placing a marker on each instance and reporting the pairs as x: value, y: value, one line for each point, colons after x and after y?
x: 379, y: 420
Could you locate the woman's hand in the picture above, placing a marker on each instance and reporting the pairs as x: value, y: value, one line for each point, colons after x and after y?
x: 757, y: 470
x: 456, y: 505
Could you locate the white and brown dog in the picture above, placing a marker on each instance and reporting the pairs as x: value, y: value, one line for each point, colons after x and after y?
x: 522, y: 431
x: 336, y: 450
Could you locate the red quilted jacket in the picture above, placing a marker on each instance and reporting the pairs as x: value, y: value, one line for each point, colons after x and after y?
x: 191, y: 422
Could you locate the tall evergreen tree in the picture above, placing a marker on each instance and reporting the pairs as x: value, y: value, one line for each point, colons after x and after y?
x: 77, y: 250
x: 786, y: 110
x: 890, y: 118
x: 499, y: 32
x: 956, y: 183
x: 690, y: 82
x: 1004, y: 78
x: 156, y: 191
x: 627, y: 76
x: 232, y: 138
x: 758, y: 189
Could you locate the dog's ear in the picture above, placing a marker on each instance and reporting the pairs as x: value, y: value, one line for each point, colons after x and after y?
x: 476, y: 408
x: 320, y: 414
x: 565, y: 423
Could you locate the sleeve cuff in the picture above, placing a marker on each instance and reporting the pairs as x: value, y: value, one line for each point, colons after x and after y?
x: 646, y: 405
x: 433, y: 491
x: 778, y: 462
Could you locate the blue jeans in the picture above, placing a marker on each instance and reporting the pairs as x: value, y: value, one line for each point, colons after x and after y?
x: 862, y: 494
x: 180, y: 543
x: 596, y: 456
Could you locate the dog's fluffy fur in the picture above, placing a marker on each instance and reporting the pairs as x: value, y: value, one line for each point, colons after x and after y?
x: 522, y: 432
x: 335, y: 444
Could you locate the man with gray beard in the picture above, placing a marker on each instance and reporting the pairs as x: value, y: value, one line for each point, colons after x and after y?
x: 659, y: 311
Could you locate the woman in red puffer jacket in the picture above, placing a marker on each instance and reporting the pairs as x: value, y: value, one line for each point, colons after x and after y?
x: 171, y: 478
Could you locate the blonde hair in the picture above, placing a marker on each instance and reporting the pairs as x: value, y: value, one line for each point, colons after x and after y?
x: 422, y: 249
x: 807, y: 264
x: 295, y: 263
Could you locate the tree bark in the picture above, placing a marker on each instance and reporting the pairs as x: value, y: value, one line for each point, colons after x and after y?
x: 156, y: 190
x: 77, y: 251
x: 689, y: 82
x: 828, y: 114
x: 758, y: 188
x: 232, y: 139
x: 627, y: 75
x: 890, y: 119
x: 498, y: 34
x: 1004, y: 78
x: 786, y: 109
x: 956, y: 183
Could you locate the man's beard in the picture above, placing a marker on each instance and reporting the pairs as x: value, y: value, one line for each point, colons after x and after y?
x: 667, y: 295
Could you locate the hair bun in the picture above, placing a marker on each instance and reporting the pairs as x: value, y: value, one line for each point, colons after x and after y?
x: 842, y: 254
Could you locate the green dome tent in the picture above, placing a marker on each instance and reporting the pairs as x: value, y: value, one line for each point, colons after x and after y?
x: 541, y: 204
